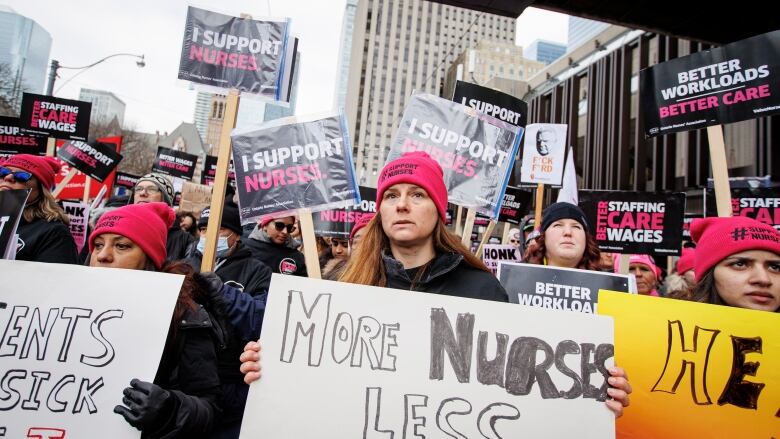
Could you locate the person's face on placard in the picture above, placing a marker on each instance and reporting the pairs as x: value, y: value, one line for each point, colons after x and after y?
x: 645, y: 278
x: 409, y: 214
x: 750, y: 279
x: 545, y: 140
x: 116, y: 251
x: 147, y: 192
x: 278, y: 230
x: 565, y: 242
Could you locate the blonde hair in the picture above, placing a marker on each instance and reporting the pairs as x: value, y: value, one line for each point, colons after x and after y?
x: 45, y: 208
x: 366, y: 266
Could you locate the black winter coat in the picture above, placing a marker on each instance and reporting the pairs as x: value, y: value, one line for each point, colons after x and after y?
x: 43, y: 241
x: 240, y: 270
x: 280, y: 258
x: 188, y: 370
x: 177, y: 244
x: 448, y: 274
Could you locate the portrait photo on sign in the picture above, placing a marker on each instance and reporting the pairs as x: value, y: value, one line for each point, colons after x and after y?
x: 544, y: 153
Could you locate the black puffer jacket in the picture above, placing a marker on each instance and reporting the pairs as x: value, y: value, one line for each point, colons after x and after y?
x: 280, y: 258
x: 43, y: 241
x: 177, y: 243
x: 447, y: 274
x: 188, y: 370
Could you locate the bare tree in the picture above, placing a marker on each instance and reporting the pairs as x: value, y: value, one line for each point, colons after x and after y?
x: 138, y: 149
x: 10, y: 89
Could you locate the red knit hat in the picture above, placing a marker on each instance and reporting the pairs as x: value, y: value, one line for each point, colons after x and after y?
x: 718, y: 238
x: 416, y: 168
x: 145, y: 224
x: 686, y: 261
x: 362, y: 222
x: 43, y: 168
x: 268, y: 218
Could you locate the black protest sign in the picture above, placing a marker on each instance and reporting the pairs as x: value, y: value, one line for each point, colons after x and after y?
x: 210, y: 171
x: 727, y: 84
x: 761, y: 204
x: 11, y: 207
x: 294, y: 163
x: 231, y: 52
x: 95, y: 159
x: 491, y: 102
x: 13, y: 141
x: 55, y: 117
x: 338, y: 223
x: 516, y: 204
x: 126, y: 180
x: 475, y: 151
x: 174, y: 163
x: 635, y: 222
x: 558, y: 288
x: 689, y: 217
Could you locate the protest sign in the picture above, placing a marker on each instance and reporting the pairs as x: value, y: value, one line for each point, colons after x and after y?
x: 475, y: 151
x: 635, y: 222
x: 515, y: 205
x: 173, y: 163
x: 75, y: 187
x: 338, y: 223
x: 95, y: 159
x: 294, y: 163
x: 687, y: 220
x: 126, y: 180
x: 11, y: 208
x: 544, y: 152
x: 761, y: 204
x: 558, y: 288
x: 491, y: 102
x: 13, y: 141
x: 79, y: 220
x: 239, y: 53
x: 493, y: 254
x: 725, y: 84
x: 210, y: 171
x: 364, y: 361
x: 55, y: 117
x: 194, y: 197
x: 697, y: 370
x: 71, y: 345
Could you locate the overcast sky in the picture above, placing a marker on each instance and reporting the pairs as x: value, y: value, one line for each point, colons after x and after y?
x: 84, y: 31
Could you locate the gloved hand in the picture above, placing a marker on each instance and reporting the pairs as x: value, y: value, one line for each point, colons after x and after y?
x: 146, y: 405
x: 212, y: 285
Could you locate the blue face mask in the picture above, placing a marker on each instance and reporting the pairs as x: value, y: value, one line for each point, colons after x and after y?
x: 222, y: 245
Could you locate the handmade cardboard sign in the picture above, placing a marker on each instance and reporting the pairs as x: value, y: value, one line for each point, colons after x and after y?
x: 363, y: 361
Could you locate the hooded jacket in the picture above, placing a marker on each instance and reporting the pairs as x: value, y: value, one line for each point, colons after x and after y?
x: 280, y: 258
x: 447, y: 274
x: 44, y: 241
x: 240, y: 269
x: 178, y: 243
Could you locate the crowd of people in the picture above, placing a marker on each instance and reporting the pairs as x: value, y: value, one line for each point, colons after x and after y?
x: 211, y: 354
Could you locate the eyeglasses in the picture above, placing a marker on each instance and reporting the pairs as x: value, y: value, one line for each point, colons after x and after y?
x: 19, y: 176
x: 147, y: 189
x: 279, y: 226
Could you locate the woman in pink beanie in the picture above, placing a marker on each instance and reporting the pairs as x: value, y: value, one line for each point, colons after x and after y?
x: 680, y: 284
x: 737, y: 263
x: 645, y: 271
x: 43, y: 231
x: 183, y: 399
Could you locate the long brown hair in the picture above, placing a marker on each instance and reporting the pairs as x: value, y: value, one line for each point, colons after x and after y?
x: 366, y: 266
x: 537, y: 250
x: 45, y: 208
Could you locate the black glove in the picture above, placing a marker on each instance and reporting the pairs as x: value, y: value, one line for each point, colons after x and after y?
x: 146, y: 405
x: 212, y: 285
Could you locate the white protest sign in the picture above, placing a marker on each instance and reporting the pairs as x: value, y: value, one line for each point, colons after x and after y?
x: 79, y: 218
x: 543, y: 153
x: 352, y: 361
x: 492, y: 254
x: 72, y: 339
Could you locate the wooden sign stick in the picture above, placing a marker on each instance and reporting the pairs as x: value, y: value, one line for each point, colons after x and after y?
x: 87, y: 187
x: 505, y: 235
x: 64, y: 182
x: 220, y: 182
x: 624, y: 263
x: 458, y: 219
x: 51, y: 144
x: 485, y: 237
x: 720, y: 170
x: 468, y: 228
x: 538, y: 210
x: 309, y: 244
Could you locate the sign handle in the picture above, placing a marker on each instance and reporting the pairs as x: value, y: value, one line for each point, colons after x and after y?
x: 505, y: 235
x: 458, y: 219
x: 51, y: 144
x: 220, y: 182
x: 64, y: 182
x: 468, y: 227
x: 539, y: 202
x: 485, y: 237
x: 624, y: 263
x: 309, y: 244
x: 87, y: 187
x: 720, y: 170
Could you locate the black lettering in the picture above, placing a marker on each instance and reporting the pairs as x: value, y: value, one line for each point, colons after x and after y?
x: 32, y: 402
x: 96, y: 329
x: 567, y: 347
x: 486, y: 421
x: 411, y: 402
x: 522, y: 369
x: 447, y: 408
x: 739, y: 392
x: 459, y: 351
x: 491, y: 371
x: 373, y: 408
x: 342, y: 341
x: 9, y: 397
x: 86, y: 391
x: 306, y: 322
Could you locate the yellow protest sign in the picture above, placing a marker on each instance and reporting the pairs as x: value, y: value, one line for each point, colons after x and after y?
x: 698, y: 370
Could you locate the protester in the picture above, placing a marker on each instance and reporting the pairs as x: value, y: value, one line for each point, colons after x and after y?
x: 236, y: 267
x: 336, y: 253
x: 514, y: 238
x: 564, y: 240
x: 737, y: 263
x: 155, y: 188
x: 43, y: 230
x: 647, y: 274
x: 183, y: 400
x: 337, y: 265
x: 188, y: 223
x: 607, y: 262
x: 271, y: 243
x: 407, y: 246
x: 680, y: 284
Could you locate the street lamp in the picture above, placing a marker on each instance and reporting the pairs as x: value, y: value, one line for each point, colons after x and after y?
x: 55, y: 65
